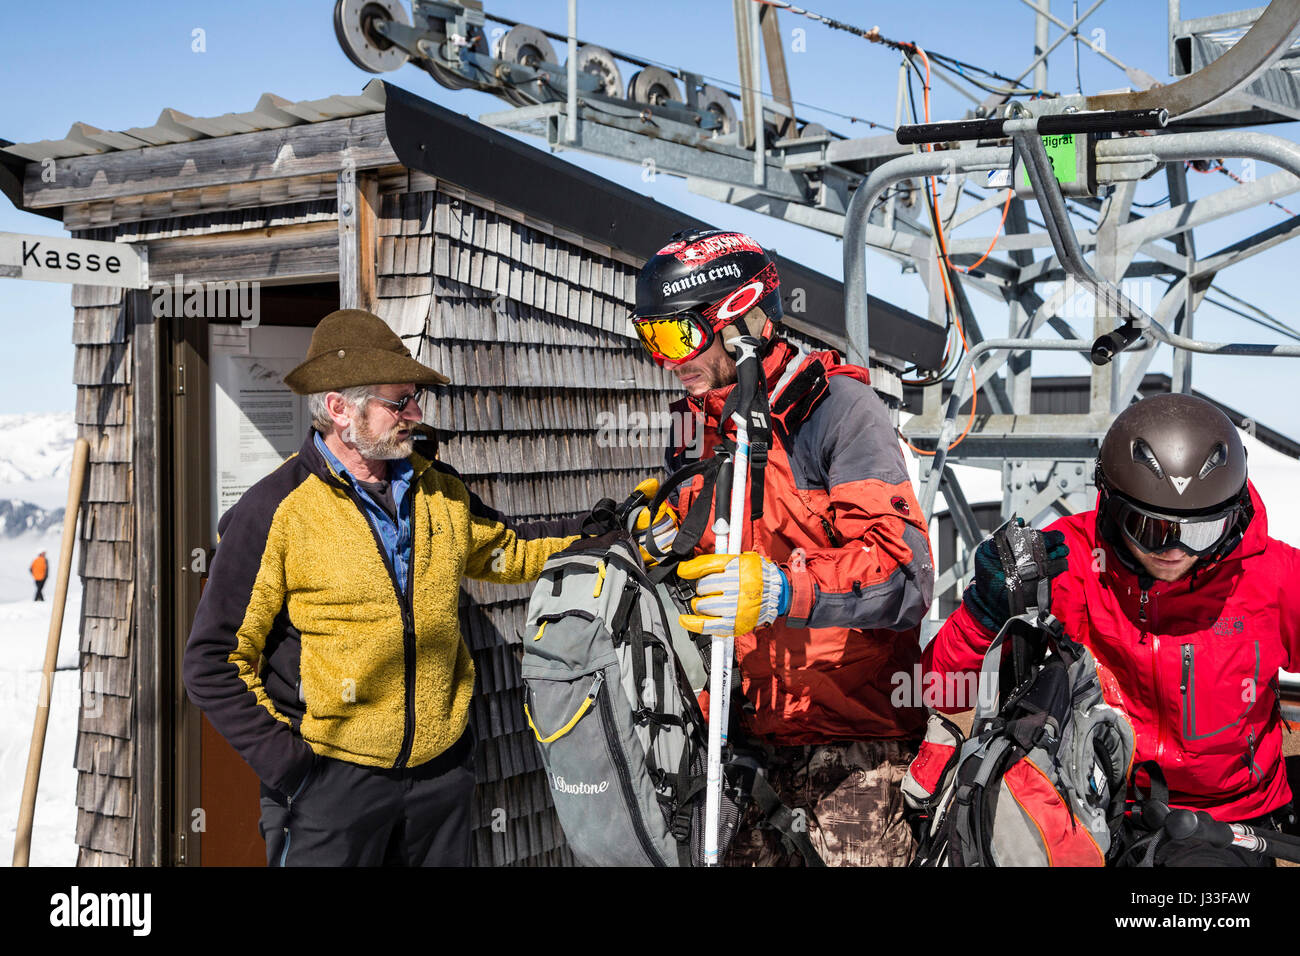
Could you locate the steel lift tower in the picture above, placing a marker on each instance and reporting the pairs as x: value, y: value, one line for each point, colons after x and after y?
x: 1078, y: 157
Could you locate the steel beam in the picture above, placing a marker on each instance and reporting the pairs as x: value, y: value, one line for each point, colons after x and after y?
x: 1266, y: 41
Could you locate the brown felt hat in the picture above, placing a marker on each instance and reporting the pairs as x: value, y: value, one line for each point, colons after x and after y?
x: 353, y: 347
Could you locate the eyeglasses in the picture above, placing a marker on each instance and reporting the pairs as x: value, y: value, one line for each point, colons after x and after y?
x: 1154, y: 532
x: 399, y: 405
x: 674, y: 338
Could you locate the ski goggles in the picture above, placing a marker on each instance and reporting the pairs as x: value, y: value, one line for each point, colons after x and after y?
x: 1153, y: 532
x: 674, y: 338
x: 681, y: 336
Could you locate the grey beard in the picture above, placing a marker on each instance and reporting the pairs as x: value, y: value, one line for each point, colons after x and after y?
x: 375, y: 448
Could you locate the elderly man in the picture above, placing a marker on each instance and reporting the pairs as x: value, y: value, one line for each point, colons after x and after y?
x: 326, y: 646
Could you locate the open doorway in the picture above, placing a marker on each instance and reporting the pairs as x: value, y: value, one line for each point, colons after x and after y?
x: 232, y: 421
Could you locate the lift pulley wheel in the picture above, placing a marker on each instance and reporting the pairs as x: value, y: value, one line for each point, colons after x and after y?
x: 600, y: 63
x: 354, y: 23
x: 654, y: 86
x: 447, y: 77
x: 525, y: 45
x: 716, y: 101
x: 453, y: 79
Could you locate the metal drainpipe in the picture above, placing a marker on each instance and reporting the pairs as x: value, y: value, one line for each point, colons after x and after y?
x: 756, y: 79
x: 571, y: 120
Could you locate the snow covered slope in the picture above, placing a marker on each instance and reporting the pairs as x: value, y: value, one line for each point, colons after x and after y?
x: 35, y: 461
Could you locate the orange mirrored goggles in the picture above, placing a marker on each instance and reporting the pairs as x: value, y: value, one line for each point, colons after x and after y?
x: 674, y: 338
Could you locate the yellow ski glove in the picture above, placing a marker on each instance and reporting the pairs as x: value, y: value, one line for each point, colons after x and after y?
x: 664, y: 528
x: 735, y: 593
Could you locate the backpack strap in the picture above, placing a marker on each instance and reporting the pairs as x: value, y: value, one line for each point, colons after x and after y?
x: 777, y: 816
x: 750, y: 400
x: 696, y: 520
x: 796, y: 401
x: 602, y: 518
x: 1149, y: 809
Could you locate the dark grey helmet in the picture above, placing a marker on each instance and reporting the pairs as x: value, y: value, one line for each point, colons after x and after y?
x: 1172, y: 473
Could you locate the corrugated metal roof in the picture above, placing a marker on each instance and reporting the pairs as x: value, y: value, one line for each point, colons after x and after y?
x: 173, y: 126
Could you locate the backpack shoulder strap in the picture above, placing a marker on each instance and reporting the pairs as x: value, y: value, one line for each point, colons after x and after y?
x: 781, y: 819
x: 694, y: 521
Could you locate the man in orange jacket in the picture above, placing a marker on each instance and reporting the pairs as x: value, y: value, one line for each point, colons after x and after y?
x: 827, y: 584
x: 40, y: 571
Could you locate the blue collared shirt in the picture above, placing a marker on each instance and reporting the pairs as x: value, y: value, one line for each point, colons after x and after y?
x: 395, y: 534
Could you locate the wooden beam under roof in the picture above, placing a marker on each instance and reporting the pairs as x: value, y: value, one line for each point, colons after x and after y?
x: 247, y: 158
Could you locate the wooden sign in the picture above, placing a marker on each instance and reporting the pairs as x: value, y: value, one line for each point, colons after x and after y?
x: 85, y: 261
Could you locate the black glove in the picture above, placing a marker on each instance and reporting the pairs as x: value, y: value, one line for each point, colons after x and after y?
x: 988, y: 597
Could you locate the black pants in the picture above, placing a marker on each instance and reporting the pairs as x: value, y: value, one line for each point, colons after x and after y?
x: 345, y: 814
x: 40, y: 586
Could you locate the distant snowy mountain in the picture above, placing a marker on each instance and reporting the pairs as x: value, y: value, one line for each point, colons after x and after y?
x: 36, y: 446
x: 18, y: 517
x: 35, y: 462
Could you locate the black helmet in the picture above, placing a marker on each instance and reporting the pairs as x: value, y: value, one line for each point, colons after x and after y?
x: 701, y: 282
x: 1172, y: 474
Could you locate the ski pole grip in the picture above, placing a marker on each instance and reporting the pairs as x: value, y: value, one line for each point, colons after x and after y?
x: 748, y: 367
x: 1154, y: 814
x: 1112, y: 343
x: 1197, y: 827
x: 1212, y: 831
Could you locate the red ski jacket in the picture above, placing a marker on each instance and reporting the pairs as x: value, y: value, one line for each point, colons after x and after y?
x: 1193, y: 663
x: 840, y: 518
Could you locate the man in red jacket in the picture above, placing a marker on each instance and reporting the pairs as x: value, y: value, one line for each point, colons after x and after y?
x: 1189, y: 607
x: 826, y: 589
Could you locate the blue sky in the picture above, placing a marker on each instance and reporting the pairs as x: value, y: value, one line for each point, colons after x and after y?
x: 119, y: 63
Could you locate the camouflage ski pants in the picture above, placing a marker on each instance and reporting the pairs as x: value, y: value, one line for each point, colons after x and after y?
x: 848, y: 794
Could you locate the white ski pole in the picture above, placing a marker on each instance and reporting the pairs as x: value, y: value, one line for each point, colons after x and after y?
x: 719, y: 688
x: 726, y: 534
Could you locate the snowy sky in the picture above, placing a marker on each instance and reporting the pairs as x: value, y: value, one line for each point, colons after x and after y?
x: 118, y: 64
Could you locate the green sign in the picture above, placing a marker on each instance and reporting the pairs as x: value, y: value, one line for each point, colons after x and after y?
x: 1062, y: 152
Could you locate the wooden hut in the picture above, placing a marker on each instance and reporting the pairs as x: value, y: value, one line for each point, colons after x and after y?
x: 502, y: 266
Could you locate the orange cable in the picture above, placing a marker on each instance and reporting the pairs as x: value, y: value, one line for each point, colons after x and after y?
x: 943, y: 251
x: 1006, y: 206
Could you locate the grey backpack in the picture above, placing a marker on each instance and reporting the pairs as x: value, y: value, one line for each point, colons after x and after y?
x: 620, y: 730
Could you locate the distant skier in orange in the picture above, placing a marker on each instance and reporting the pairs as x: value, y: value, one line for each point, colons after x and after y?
x: 40, y: 570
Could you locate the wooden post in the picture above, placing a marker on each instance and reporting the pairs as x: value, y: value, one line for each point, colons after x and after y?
x: 147, y: 400
x: 776, y: 72
x: 358, y: 196
x: 751, y: 101
x: 27, y: 809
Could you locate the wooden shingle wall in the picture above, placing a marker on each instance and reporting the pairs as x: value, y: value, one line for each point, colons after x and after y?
x: 531, y: 327
x: 105, y: 752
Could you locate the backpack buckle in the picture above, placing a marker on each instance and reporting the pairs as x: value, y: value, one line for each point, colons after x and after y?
x: 681, y: 828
